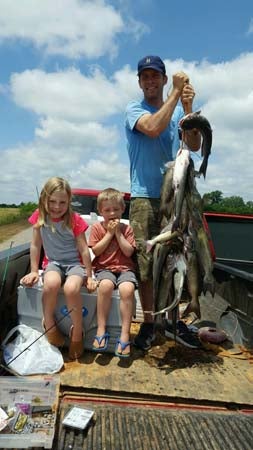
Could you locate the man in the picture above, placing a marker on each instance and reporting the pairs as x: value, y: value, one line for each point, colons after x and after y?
x: 153, y: 140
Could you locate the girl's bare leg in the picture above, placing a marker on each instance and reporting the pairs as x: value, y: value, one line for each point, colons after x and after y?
x: 72, y: 292
x: 51, y: 286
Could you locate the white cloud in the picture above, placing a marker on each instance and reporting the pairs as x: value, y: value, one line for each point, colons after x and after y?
x: 86, y: 135
x: 68, y: 94
x: 27, y: 169
x: 71, y: 28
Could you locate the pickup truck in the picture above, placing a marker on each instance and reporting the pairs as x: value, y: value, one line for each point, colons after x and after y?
x: 171, y: 397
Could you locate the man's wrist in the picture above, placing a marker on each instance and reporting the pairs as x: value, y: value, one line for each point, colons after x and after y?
x: 174, y: 92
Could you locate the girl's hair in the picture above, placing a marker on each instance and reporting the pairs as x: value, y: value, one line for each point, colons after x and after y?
x: 54, y: 184
x: 110, y: 194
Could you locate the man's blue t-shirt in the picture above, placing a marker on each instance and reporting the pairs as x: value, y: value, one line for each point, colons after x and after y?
x: 148, y: 156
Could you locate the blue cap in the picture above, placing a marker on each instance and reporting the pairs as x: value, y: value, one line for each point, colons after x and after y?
x: 151, y: 62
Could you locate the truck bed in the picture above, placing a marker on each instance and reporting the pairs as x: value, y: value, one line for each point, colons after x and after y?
x: 170, y: 397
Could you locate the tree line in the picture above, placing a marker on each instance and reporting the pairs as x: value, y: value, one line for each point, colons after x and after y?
x: 213, y: 202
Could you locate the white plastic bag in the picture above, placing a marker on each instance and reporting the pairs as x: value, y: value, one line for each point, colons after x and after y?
x: 40, y: 358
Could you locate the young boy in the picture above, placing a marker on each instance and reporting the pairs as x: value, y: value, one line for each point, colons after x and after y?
x: 113, y: 245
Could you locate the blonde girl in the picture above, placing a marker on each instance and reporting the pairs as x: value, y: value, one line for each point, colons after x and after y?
x: 67, y: 262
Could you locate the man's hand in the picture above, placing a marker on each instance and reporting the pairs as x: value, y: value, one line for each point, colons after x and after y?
x: 180, y: 79
x: 187, y: 97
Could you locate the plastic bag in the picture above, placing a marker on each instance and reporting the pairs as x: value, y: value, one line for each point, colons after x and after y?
x: 40, y: 358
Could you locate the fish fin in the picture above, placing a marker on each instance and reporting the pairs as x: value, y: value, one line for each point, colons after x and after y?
x: 149, y: 246
x: 203, y: 167
x: 209, y: 285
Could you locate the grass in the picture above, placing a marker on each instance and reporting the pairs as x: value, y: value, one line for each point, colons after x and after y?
x: 11, y: 223
x: 9, y: 230
x: 7, y: 211
x: 9, y: 215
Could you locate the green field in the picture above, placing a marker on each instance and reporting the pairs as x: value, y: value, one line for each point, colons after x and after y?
x: 9, y: 215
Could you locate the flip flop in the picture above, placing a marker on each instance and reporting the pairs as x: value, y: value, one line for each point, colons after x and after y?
x: 106, y: 337
x: 123, y: 346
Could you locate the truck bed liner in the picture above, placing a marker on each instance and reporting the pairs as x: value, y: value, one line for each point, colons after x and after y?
x: 131, y: 427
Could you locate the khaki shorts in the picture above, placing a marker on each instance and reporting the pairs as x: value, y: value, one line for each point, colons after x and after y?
x: 145, y: 221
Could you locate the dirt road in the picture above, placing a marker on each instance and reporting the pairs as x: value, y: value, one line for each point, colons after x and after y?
x: 20, y: 238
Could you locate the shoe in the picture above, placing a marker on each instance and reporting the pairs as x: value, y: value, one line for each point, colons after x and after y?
x: 106, y: 337
x: 183, y: 335
x: 123, y: 346
x: 145, y: 337
x: 53, y: 335
x: 75, y: 347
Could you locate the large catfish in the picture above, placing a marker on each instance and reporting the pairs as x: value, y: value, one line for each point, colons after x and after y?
x: 196, y: 121
x: 167, y: 192
x: 179, y: 181
x: 192, y: 277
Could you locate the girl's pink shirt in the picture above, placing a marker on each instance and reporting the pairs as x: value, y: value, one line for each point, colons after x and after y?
x: 79, y: 225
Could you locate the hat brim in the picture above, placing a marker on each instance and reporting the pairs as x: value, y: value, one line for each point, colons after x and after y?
x: 151, y: 67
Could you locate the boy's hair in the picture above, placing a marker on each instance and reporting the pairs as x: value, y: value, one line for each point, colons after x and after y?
x: 110, y: 194
x: 54, y: 184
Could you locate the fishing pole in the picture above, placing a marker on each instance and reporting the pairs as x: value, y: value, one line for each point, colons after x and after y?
x: 42, y: 334
x: 37, y: 191
x: 5, y: 269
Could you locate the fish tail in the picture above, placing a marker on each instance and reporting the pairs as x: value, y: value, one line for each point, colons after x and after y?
x: 203, y: 167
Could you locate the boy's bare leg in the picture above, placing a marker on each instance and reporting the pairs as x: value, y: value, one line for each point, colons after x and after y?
x: 126, y: 290
x: 104, y: 301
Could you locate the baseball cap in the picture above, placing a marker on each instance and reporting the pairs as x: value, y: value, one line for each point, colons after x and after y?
x: 151, y: 62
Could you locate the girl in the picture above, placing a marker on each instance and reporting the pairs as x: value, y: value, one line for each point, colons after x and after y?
x: 61, y: 233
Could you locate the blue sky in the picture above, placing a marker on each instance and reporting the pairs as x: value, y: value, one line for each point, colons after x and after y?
x: 68, y: 71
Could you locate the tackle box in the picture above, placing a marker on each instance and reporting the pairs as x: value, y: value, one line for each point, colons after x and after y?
x: 35, y: 402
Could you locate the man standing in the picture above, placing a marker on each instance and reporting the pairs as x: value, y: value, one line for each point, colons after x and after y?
x: 153, y: 140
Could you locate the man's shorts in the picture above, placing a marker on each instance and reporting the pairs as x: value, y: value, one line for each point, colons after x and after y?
x: 117, y: 277
x: 145, y: 221
x: 66, y: 271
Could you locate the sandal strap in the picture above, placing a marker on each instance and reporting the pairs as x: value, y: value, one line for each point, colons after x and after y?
x: 100, y: 338
x: 123, y: 344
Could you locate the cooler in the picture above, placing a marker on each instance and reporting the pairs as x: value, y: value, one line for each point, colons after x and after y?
x: 30, y: 314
